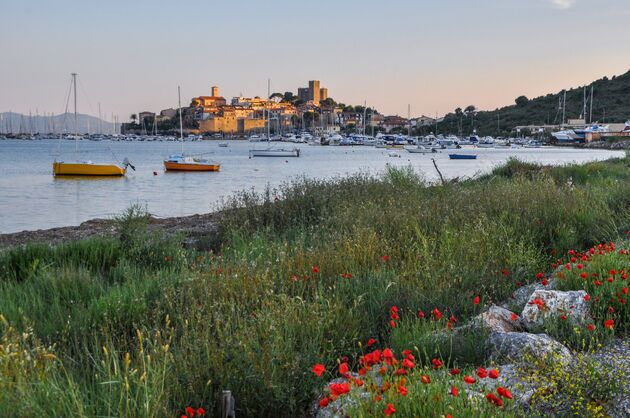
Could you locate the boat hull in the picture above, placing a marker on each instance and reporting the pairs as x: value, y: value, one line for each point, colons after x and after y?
x: 462, y: 157
x: 274, y: 153
x: 85, y: 169
x: 175, y: 166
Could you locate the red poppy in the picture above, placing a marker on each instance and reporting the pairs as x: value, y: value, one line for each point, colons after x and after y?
x: 201, y: 412
x: 392, y: 324
x: 476, y: 300
x: 505, y: 272
x: 343, y: 369
x: 324, y: 402
x: 338, y: 389
x: 318, y: 369
x: 425, y: 379
x: 401, y: 372
x: 387, y: 354
x: 390, y: 410
x: 371, y: 342
x: 437, y: 314
x: 315, y: 269
x: 580, y: 266
x: 385, y: 258
x: 437, y: 363
x: 624, y: 290
x: 584, y: 275
x: 454, y: 372
x: 493, y: 374
x: 591, y: 327
x: 469, y: 379
x: 514, y: 317
x: 492, y: 398
x: 482, y: 373
x: 545, y: 282
x: 454, y: 391
x: 563, y: 317
x: 402, y: 390
x: 587, y: 297
x: 539, y: 275
x: 408, y: 364
x: 609, y: 324
x: 504, y: 392
x: 598, y: 283
x: 190, y: 411
x: 420, y: 314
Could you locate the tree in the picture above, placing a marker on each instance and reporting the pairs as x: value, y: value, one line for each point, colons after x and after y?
x: 279, y: 95
x: 470, y: 109
x: 458, y: 111
x: 288, y: 97
x: 521, y: 101
x: 133, y: 118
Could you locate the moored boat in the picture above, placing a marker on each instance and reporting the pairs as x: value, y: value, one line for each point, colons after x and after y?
x: 275, y: 152
x: 462, y: 156
x: 181, y: 162
x: 88, y: 168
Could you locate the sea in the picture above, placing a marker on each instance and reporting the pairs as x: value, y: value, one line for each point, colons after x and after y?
x: 32, y: 198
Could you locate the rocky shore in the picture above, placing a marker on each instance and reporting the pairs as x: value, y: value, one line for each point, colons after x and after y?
x: 195, y: 229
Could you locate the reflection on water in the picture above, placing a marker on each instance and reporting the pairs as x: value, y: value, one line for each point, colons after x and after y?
x: 31, y: 198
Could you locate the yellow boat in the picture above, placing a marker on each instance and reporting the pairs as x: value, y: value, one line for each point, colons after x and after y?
x: 86, y: 168
x: 61, y: 168
x: 184, y: 163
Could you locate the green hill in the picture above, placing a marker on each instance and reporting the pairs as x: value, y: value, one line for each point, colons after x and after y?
x: 611, y: 103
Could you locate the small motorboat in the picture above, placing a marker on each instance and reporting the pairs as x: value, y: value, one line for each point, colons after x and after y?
x: 223, y: 144
x: 462, y: 156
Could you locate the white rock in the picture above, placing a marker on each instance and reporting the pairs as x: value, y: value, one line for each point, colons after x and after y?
x: 524, y: 347
x: 556, y: 303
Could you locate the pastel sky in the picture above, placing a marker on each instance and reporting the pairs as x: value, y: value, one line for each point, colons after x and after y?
x: 435, y: 55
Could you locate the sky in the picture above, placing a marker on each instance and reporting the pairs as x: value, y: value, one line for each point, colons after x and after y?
x: 434, y: 55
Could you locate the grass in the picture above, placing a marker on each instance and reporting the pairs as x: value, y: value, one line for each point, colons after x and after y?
x: 134, y: 325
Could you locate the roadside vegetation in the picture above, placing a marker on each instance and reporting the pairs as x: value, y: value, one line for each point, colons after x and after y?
x: 136, y: 325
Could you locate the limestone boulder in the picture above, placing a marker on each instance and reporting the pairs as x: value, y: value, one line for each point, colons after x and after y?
x: 498, y: 319
x: 517, y: 347
x: 544, y: 304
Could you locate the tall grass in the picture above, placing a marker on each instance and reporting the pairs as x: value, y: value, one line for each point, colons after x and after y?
x: 305, y: 272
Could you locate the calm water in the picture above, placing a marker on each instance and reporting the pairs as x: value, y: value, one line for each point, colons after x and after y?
x: 31, y: 198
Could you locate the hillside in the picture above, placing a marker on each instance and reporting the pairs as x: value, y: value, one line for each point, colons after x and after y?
x: 611, y: 103
x: 24, y: 124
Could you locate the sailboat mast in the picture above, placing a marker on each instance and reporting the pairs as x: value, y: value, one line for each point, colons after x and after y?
x: 268, y: 114
x: 564, y: 108
x: 584, y: 109
x: 590, y: 118
x: 181, y: 126
x: 409, y: 120
x: 76, y: 123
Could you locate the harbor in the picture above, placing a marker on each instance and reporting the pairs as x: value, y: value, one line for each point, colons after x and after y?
x: 33, y: 199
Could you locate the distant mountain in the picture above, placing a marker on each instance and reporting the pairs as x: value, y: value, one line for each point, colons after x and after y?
x: 611, y: 104
x: 23, y: 124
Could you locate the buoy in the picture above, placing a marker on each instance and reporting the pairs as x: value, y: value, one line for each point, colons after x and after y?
x: 155, y: 173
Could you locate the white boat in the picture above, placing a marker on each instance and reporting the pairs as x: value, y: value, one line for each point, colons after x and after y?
x: 565, y: 135
x: 420, y: 149
x: 223, y: 144
x: 274, y: 152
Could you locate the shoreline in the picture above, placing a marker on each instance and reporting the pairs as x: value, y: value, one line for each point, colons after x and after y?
x: 194, y: 227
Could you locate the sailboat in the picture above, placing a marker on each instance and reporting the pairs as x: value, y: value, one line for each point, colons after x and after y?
x: 86, y: 168
x: 182, y: 162
x: 272, y: 151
